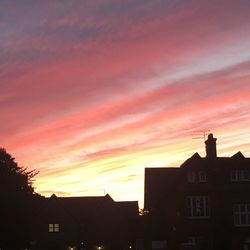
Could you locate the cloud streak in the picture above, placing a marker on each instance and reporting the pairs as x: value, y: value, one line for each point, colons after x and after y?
x: 98, y: 90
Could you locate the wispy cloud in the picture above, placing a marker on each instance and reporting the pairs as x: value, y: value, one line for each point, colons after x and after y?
x: 98, y: 90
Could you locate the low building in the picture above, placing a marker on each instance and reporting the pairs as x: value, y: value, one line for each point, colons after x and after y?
x: 80, y: 223
x: 203, y: 204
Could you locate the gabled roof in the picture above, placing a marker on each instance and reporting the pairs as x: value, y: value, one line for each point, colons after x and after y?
x: 84, y: 208
x: 197, y: 160
x: 193, y: 159
x: 238, y: 155
x: 77, y: 208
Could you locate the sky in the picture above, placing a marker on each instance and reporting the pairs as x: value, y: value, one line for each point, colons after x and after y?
x: 93, y: 92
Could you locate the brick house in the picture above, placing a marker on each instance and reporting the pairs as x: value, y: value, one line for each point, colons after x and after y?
x: 203, y: 204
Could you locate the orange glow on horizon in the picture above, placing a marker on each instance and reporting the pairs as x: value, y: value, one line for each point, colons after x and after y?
x: 93, y: 93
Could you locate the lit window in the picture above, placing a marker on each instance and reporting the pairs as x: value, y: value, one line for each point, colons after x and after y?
x: 198, y: 206
x: 240, y: 175
x: 241, y: 214
x: 202, y: 176
x: 191, y: 177
x: 54, y: 228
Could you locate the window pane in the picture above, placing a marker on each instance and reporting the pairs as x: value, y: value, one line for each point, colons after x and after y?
x: 240, y: 174
x: 243, y: 219
x: 56, y: 227
x: 242, y: 208
x: 245, y: 175
x: 202, y: 176
x: 248, y: 219
x: 51, y: 228
x: 236, y: 219
x: 233, y: 175
x: 248, y: 208
x: 191, y: 177
x: 241, y: 214
x: 198, y: 206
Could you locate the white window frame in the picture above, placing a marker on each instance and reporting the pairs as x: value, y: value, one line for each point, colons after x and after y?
x: 54, y: 227
x: 198, y: 207
x: 241, y: 213
x: 240, y: 175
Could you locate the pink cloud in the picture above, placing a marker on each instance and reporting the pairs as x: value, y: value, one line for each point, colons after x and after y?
x: 88, y: 83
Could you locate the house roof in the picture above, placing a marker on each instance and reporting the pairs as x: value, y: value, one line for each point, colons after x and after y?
x: 82, y: 208
x: 196, y: 159
x: 129, y: 209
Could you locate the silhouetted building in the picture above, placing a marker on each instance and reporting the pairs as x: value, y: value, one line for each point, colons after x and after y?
x: 203, y: 204
x: 80, y: 223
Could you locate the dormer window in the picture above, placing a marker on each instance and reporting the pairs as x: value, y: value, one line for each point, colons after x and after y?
x: 202, y: 176
x: 191, y: 176
x: 240, y: 175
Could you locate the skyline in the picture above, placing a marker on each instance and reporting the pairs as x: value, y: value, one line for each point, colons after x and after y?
x: 94, y: 92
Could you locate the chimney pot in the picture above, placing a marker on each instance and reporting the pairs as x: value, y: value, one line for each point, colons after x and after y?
x: 211, y: 147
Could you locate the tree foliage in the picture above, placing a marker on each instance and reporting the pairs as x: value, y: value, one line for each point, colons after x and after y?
x: 17, y: 199
x: 15, y: 181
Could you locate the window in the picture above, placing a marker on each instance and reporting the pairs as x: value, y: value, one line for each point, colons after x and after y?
x: 240, y: 175
x: 198, y: 206
x: 54, y: 228
x: 158, y: 244
x: 193, y: 242
x: 241, y: 214
x: 191, y: 177
x: 202, y: 176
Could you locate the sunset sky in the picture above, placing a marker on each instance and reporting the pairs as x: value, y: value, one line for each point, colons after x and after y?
x: 94, y: 91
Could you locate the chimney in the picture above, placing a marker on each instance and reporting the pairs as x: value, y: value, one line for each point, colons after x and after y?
x: 211, y: 147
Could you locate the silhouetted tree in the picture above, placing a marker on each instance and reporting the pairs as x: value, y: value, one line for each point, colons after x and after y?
x: 17, y: 200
